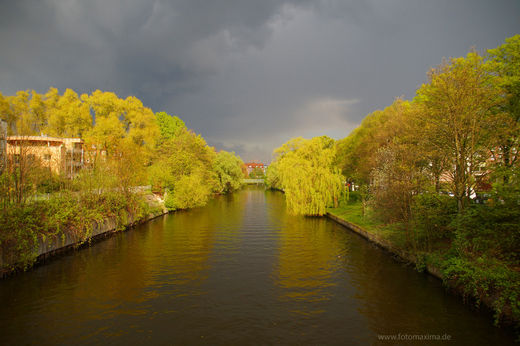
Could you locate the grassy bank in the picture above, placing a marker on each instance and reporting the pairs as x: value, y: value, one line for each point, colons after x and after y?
x: 480, y: 277
x: 66, y: 215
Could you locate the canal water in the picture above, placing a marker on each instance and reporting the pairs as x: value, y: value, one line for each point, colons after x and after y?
x: 239, y: 271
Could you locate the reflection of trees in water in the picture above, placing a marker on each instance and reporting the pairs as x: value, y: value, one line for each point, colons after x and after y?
x: 307, y: 261
x: 134, y: 277
x: 394, y: 298
x: 187, y: 238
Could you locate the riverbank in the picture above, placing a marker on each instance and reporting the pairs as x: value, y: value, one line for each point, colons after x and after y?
x: 493, y: 285
x: 239, y: 271
x: 43, y: 229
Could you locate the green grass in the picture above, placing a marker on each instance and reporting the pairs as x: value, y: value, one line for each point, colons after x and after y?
x: 353, y: 213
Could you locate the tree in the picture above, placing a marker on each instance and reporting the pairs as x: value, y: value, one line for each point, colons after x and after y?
x: 140, y: 124
x: 189, y: 191
x: 6, y: 114
x: 67, y: 115
x: 308, y: 175
x: 169, y: 126
x: 38, y: 111
x: 184, y: 159
x: 21, y: 174
x: 456, y: 116
x: 107, y: 134
x: 20, y: 115
x: 228, y: 172
x: 257, y: 173
x: 399, y: 170
x: 120, y: 123
x: 357, y: 153
x: 272, y: 177
x: 505, y: 64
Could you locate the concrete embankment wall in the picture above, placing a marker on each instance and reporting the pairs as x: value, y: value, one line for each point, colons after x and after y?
x: 385, y: 244
x: 51, y: 246
x: 488, y: 301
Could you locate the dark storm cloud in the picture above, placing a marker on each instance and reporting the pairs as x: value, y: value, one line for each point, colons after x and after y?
x: 247, y: 75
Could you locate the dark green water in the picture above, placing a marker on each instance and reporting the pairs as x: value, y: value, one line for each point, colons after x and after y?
x: 237, y: 272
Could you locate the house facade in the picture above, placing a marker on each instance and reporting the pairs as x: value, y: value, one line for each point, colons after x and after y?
x: 63, y: 156
x: 250, y: 166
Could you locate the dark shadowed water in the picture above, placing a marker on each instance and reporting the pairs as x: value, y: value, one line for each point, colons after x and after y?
x: 237, y: 272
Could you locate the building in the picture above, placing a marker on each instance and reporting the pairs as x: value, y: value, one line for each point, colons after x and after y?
x: 61, y: 155
x: 250, y: 166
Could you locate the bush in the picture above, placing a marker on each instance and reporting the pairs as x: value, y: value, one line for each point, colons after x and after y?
x: 190, y: 191
x: 433, y: 214
x: 486, y: 277
x: 19, y: 230
x: 353, y: 196
x: 65, y: 213
x: 50, y: 184
x: 491, y: 228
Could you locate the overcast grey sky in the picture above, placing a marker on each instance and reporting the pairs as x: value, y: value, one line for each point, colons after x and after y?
x: 246, y: 74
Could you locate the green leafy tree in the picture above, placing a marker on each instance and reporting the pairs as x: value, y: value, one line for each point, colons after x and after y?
x: 169, y: 126
x: 6, y: 113
x: 228, y: 172
x: 272, y: 177
x: 21, y: 116
x: 177, y: 159
x: 505, y: 64
x: 67, y: 115
x: 308, y: 175
x: 257, y: 173
x: 189, y: 191
x: 38, y: 111
x: 456, y: 115
x: 357, y: 153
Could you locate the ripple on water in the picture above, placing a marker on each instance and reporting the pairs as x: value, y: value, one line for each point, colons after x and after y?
x: 239, y: 271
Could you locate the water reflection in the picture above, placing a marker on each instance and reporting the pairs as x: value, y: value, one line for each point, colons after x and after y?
x: 307, y: 261
x: 238, y: 271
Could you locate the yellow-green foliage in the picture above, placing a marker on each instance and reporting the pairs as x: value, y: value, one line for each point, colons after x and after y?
x: 228, y: 172
x: 305, y: 170
x: 272, y: 178
x: 183, y: 167
x: 189, y: 191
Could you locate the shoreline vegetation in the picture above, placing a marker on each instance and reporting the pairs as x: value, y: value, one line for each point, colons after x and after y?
x: 82, y: 223
x: 125, y: 145
x: 435, y: 179
x: 489, y: 292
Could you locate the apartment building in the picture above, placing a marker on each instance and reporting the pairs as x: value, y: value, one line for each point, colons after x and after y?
x: 61, y: 155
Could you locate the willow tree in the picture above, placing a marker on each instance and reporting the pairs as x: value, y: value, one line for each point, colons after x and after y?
x: 308, y: 176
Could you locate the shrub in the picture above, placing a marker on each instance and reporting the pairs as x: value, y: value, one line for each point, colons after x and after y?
x: 64, y: 214
x: 354, y: 197
x: 491, y: 228
x: 486, y: 277
x: 433, y: 214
